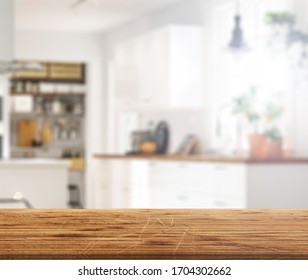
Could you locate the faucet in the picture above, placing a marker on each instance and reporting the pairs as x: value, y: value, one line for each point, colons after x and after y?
x: 218, y: 118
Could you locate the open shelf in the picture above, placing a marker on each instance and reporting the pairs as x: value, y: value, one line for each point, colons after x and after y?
x: 45, y: 115
x: 50, y: 94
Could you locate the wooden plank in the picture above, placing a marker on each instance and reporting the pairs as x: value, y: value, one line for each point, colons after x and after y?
x: 200, y: 158
x: 154, y: 234
x: 26, y: 132
x: 50, y: 94
x: 65, y: 72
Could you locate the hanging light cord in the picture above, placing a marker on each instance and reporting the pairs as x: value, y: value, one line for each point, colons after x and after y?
x: 238, y: 7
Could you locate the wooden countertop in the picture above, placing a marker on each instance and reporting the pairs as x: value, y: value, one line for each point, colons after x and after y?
x: 200, y: 158
x: 154, y: 234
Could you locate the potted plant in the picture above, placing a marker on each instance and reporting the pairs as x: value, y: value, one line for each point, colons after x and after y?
x: 244, y: 105
x: 286, y: 34
x: 273, y: 148
x: 273, y: 144
x: 282, y: 25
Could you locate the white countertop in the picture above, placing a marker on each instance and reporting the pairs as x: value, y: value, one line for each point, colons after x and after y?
x: 36, y: 162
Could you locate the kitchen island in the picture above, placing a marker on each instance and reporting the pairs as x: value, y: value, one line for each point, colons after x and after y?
x: 173, y: 181
x: 154, y: 234
x: 42, y: 182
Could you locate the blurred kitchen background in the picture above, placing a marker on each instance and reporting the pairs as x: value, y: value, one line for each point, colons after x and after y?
x: 154, y: 103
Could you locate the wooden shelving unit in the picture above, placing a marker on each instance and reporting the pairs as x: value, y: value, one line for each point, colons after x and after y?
x: 60, y: 82
x: 59, y: 72
x: 46, y: 115
x: 51, y: 94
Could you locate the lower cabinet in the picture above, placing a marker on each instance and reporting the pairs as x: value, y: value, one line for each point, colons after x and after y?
x: 148, y: 184
x: 197, y: 185
x: 160, y: 184
x: 160, y: 198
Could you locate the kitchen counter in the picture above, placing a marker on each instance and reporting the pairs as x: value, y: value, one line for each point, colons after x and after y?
x: 33, y: 162
x: 154, y: 234
x: 43, y: 182
x: 201, y: 158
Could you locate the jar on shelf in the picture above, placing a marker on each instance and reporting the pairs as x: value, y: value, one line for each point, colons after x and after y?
x: 19, y: 86
x: 56, y: 106
x: 46, y: 134
x: 78, y: 108
x: 38, y: 105
x: 47, y: 105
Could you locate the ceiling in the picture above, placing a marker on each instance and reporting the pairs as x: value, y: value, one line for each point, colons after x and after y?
x: 93, y: 15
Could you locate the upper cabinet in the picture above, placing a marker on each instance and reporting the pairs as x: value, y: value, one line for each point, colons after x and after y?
x: 161, y: 69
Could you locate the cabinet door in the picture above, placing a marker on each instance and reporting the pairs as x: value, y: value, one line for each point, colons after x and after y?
x: 160, y: 198
x: 186, y: 66
x: 121, y: 197
x: 154, y: 70
x: 231, y: 180
x: 126, y: 75
x: 198, y: 185
x: 228, y: 203
x: 195, y: 177
x: 103, y: 196
x: 118, y: 183
x: 126, y: 86
x: 100, y: 181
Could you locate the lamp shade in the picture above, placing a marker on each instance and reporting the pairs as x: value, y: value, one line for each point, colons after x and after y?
x: 237, y: 42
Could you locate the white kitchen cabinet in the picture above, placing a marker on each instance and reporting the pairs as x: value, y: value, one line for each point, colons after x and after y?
x: 230, y: 180
x: 197, y: 185
x: 168, y: 198
x: 121, y: 184
x: 44, y: 183
x: 173, y: 184
x: 101, y: 185
x: 4, y: 120
x: 161, y: 69
x: 277, y: 185
x: 196, y: 177
x: 118, y: 179
x: 161, y: 184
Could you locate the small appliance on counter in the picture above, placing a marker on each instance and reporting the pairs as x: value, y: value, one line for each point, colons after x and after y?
x: 150, y: 141
x: 162, y: 138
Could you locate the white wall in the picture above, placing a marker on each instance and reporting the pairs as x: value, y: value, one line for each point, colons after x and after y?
x: 184, y: 12
x: 300, y: 96
x: 216, y: 16
x: 71, y: 47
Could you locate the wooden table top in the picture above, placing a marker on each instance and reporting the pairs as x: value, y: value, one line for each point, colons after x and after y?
x: 201, y: 158
x: 153, y: 234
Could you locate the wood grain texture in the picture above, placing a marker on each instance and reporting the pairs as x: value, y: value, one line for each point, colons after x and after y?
x: 201, y: 158
x: 153, y: 234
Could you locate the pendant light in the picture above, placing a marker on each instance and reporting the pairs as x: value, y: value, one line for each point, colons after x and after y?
x: 237, y: 43
x: 7, y: 31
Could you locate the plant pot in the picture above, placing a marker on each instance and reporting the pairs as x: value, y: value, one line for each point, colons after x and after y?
x: 273, y: 149
x: 256, y: 146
